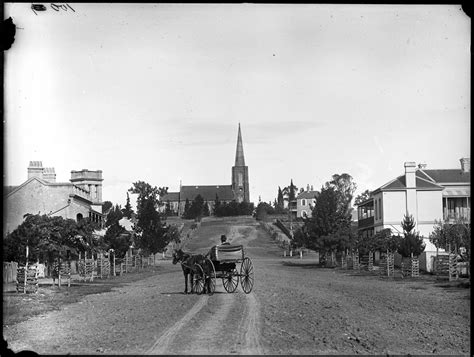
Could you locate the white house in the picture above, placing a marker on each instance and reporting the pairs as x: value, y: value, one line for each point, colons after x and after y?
x: 426, y: 194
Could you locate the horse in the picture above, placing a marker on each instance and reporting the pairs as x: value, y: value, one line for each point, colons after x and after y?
x: 187, y: 264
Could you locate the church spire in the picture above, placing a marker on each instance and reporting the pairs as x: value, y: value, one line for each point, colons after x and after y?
x: 239, y: 154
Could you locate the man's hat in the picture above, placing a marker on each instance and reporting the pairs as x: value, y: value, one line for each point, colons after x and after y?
x: 223, y: 238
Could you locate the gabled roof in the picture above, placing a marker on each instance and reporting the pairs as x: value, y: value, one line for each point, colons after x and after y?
x: 208, y: 192
x: 16, y: 188
x: 400, y: 184
x: 308, y: 194
x: 448, y: 176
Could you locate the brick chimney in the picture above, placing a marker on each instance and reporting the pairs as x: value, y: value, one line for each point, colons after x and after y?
x: 49, y: 174
x: 410, y: 181
x: 35, y: 169
x: 465, y: 164
x: 410, y: 168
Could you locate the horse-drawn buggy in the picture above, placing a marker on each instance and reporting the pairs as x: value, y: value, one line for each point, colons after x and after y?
x: 220, y: 263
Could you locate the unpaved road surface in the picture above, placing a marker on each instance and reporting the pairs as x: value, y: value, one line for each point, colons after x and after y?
x: 294, y: 308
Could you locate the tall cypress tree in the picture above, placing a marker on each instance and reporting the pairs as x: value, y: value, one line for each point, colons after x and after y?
x: 280, y: 198
x: 128, y: 210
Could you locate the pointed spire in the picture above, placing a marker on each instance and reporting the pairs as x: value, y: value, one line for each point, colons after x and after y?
x: 239, y: 155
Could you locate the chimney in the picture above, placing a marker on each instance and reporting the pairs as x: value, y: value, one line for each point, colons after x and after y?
x: 465, y: 164
x: 312, y: 188
x: 307, y: 187
x: 422, y: 165
x: 35, y: 169
x: 410, y: 169
x: 49, y: 174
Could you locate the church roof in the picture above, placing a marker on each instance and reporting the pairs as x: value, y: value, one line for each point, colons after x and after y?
x: 239, y: 154
x: 171, y: 196
x: 208, y: 192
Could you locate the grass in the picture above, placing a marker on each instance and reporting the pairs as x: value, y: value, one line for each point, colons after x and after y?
x: 18, y: 307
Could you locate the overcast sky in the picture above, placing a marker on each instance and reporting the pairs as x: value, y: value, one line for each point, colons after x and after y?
x: 155, y: 92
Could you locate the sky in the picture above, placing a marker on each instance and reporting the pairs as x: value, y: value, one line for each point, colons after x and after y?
x: 155, y: 92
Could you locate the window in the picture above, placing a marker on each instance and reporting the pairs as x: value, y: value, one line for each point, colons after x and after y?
x: 380, y: 208
x: 376, y: 210
x: 303, y: 202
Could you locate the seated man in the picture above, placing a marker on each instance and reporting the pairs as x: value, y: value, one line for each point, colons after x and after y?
x: 224, y: 240
x: 212, y: 251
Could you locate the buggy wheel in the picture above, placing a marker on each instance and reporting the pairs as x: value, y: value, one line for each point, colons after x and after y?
x: 230, y: 281
x: 198, y: 279
x: 246, y: 275
x: 211, y: 277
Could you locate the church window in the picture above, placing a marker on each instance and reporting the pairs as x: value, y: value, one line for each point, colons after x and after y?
x: 240, y: 179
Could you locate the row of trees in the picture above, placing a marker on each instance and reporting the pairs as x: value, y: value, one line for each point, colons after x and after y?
x: 199, y: 208
x: 329, y: 228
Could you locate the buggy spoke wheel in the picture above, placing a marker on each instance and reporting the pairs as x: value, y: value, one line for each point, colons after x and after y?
x: 230, y: 281
x: 246, y: 275
x: 211, y: 277
x: 198, y: 279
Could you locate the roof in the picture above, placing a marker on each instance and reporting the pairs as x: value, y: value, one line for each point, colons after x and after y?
x: 170, y: 196
x: 208, y: 193
x: 308, y: 194
x: 448, y: 176
x: 422, y: 183
x: 8, y: 189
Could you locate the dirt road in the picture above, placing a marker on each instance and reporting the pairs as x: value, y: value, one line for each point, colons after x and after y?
x: 294, y: 308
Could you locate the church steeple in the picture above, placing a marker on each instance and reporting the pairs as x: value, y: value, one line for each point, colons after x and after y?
x: 240, y: 173
x: 239, y: 154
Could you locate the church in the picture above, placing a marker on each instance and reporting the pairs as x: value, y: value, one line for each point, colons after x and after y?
x: 237, y: 191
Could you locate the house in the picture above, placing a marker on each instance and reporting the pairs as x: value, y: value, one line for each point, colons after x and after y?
x: 305, y: 202
x: 237, y: 191
x: 426, y: 194
x: 41, y: 194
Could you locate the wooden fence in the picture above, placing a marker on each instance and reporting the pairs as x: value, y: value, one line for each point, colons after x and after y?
x: 9, y: 272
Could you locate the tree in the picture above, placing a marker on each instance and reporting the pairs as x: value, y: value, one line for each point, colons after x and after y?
x: 380, y: 241
x: 217, y: 205
x: 280, y: 201
x: 362, y: 197
x: 263, y: 209
x: 187, y: 205
x: 118, y: 239
x: 411, y: 243
x: 48, y: 237
x: 127, y: 210
x: 205, y: 210
x: 106, y: 206
x: 115, y: 215
x: 196, y: 209
x: 457, y: 235
x: 150, y: 230
x: 292, y: 193
x: 344, y: 187
x: 329, y: 227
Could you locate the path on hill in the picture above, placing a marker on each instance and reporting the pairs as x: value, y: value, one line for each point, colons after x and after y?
x: 294, y: 308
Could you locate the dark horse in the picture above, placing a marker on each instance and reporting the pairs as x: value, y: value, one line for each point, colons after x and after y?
x: 188, y: 262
